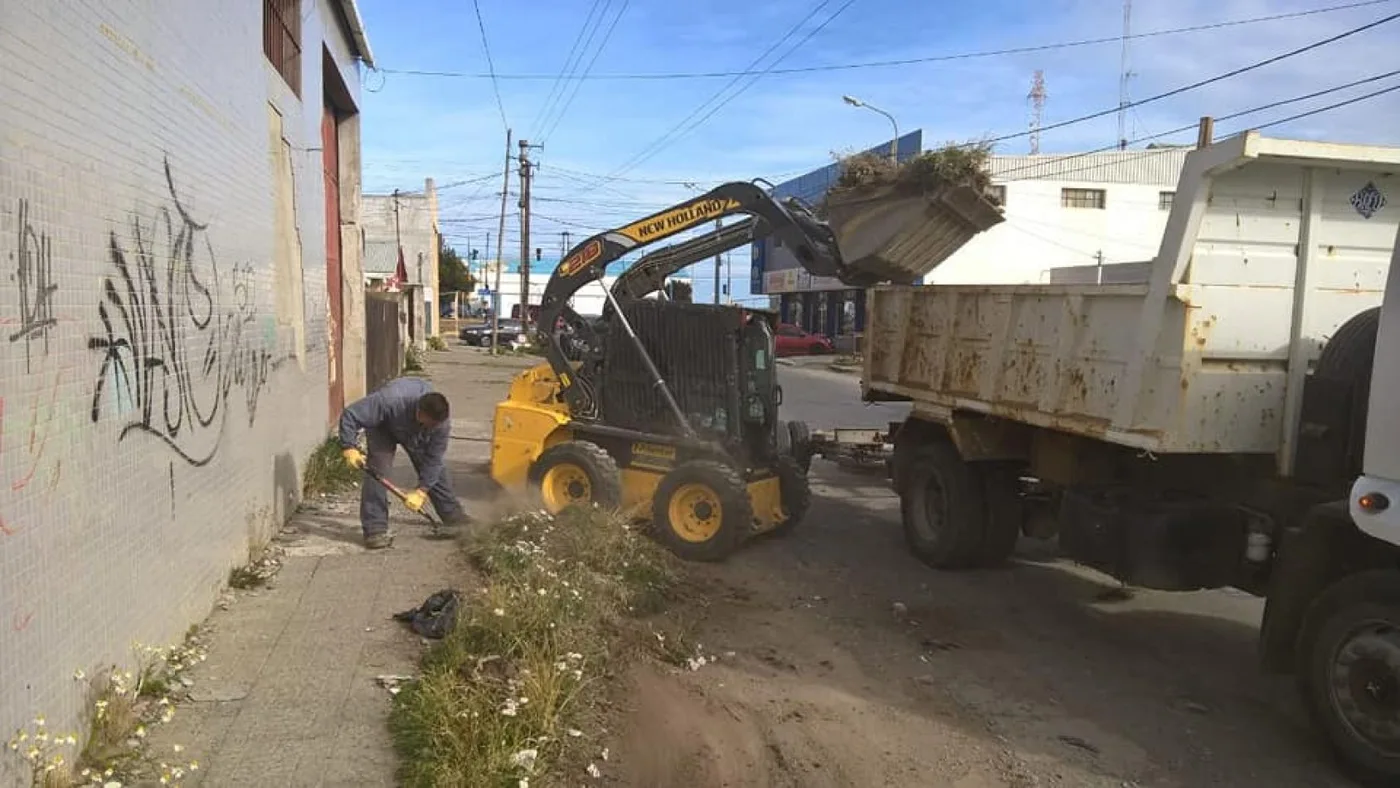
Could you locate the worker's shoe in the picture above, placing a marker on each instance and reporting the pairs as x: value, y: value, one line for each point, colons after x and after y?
x: 379, y: 541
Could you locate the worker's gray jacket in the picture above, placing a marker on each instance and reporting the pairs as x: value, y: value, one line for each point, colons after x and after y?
x: 391, y: 408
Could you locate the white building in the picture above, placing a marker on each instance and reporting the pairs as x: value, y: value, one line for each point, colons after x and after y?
x: 179, y: 215
x: 1069, y: 210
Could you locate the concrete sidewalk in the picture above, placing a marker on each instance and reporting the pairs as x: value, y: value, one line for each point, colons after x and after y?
x: 288, y: 694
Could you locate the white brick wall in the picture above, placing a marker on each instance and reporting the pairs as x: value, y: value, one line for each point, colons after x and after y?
x: 154, y: 410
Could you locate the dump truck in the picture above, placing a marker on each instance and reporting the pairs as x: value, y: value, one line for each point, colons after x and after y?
x: 1224, y: 415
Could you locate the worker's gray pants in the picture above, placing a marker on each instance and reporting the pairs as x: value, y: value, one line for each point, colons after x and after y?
x: 374, y: 499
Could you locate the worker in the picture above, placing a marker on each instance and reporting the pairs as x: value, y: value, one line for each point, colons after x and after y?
x: 403, y: 412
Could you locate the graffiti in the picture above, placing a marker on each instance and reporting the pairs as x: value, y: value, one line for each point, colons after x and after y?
x: 178, y: 336
x: 34, y: 273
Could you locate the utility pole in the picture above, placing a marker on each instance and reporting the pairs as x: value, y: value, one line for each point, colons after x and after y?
x: 525, y: 237
x: 500, y: 245
x: 486, y: 262
x: 718, y: 226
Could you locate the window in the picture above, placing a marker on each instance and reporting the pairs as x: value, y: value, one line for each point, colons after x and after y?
x: 1165, y: 199
x: 999, y: 194
x: 1083, y: 198
x: 282, y: 39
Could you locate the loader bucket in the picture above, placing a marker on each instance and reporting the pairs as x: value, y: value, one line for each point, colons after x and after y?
x: 892, y: 235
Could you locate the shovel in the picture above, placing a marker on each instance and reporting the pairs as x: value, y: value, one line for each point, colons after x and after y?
x: 394, y: 489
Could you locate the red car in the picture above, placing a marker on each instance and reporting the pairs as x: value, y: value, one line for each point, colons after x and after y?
x: 793, y: 341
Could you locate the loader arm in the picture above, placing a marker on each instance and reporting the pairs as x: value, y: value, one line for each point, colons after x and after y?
x: 810, y: 240
x: 649, y: 274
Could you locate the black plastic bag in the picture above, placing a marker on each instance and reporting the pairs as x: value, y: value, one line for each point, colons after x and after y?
x: 435, y: 617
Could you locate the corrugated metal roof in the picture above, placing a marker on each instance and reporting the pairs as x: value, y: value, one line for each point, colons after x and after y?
x: 1159, y: 167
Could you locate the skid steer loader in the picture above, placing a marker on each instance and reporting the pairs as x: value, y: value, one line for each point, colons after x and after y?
x: 667, y: 411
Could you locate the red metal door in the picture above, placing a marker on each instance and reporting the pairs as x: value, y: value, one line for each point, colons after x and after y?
x: 330, y: 158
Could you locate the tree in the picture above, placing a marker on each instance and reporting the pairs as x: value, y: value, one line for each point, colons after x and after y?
x: 453, y: 274
x: 679, y: 290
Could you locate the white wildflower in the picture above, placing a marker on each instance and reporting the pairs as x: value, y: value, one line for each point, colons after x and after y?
x: 604, y: 753
x: 575, y: 732
x: 593, y: 771
x: 499, y: 612
x: 525, y: 759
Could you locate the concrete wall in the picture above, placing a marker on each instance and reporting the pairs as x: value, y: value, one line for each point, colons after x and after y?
x: 418, y: 234
x: 163, y: 373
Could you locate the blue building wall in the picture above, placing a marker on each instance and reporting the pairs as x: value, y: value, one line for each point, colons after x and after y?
x: 811, y: 188
x: 818, y: 311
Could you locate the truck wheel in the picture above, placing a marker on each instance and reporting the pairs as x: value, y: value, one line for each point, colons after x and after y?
x: 1348, y: 356
x: 796, y: 494
x: 576, y: 473
x: 701, y: 511
x: 1349, y: 671
x: 1005, y: 515
x: 942, y: 506
x: 782, y: 438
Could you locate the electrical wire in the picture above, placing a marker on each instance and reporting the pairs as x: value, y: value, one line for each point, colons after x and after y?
x: 490, y: 64
x: 1116, y: 39
x: 566, y: 68
x: 661, y: 141
x: 1189, y: 127
x: 578, y: 82
x: 1200, y: 83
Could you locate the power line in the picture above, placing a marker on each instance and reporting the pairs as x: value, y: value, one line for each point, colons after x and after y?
x: 568, y: 66
x: 1192, y: 126
x: 578, y: 82
x: 1117, y: 39
x: 490, y: 64
x: 1202, y: 83
x: 636, y: 162
x: 661, y: 141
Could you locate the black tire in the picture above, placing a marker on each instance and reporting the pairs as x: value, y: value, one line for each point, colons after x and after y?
x: 800, y: 436
x: 1005, y: 513
x: 578, y: 459
x: 1342, y: 696
x: 782, y: 438
x: 796, y: 494
x: 1348, y: 356
x: 944, y: 532
x: 710, y: 486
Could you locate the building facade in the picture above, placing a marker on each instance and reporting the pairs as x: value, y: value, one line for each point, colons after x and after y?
x: 179, y: 210
x: 408, y: 220
x: 1061, y: 212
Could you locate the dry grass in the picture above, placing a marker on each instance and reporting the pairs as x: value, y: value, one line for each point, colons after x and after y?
x: 437, y: 343
x: 512, y: 692
x: 951, y: 166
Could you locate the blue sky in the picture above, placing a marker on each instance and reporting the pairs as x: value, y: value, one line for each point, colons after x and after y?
x: 450, y: 128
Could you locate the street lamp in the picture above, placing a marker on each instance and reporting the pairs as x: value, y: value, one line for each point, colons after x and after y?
x: 894, y: 143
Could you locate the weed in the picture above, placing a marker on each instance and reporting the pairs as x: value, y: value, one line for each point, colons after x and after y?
x: 326, y: 472
x: 502, y: 698
x: 437, y: 343
x: 932, y: 171
x: 413, y: 359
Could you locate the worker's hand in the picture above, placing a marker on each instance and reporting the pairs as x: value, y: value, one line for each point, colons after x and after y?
x: 354, y: 458
x: 415, y: 499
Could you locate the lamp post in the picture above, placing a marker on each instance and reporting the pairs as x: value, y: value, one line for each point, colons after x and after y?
x: 894, y: 143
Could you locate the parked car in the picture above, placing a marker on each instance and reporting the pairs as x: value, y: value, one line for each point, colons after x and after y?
x: 795, y: 341
x: 480, y: 335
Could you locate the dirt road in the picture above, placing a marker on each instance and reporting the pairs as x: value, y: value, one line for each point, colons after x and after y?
x: 845, y: 662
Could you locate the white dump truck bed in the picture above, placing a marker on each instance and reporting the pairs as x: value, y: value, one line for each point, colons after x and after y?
x: 1271, y: 244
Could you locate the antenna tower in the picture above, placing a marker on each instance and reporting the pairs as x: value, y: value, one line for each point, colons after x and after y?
x: 1124, y: 74
x: 1037, y: 99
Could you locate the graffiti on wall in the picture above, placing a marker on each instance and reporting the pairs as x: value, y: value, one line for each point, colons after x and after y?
x: 179, y: 334
x: 33, y: 263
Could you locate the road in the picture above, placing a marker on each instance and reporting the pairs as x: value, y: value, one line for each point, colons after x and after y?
x: 844, y: 661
